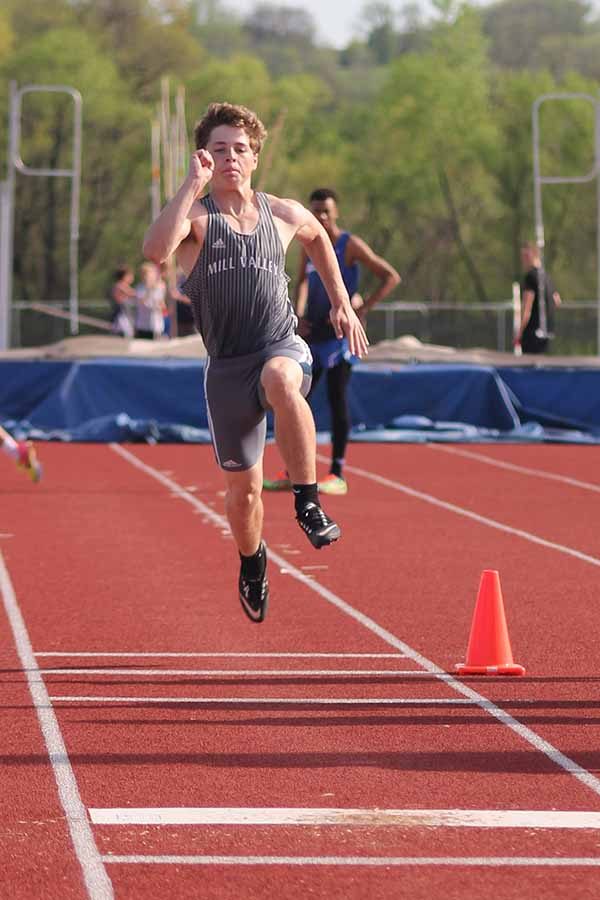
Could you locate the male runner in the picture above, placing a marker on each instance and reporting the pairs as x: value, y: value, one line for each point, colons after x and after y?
x: 231, y: 244
x: 330, y: 352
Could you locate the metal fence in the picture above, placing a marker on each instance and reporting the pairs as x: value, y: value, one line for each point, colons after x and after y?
x: 465, y: 325
x: 488, y: 326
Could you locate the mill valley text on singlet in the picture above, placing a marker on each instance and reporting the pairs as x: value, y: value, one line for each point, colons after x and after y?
x: 238, y: 287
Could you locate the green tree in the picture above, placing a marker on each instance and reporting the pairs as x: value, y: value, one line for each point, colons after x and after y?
x: 146, y: 40
x: 518, y: 28
x: 114, y: 204
x: 426, y: 171
x: 379, y: 21
x: 6, y: 35
x: 240, y: 79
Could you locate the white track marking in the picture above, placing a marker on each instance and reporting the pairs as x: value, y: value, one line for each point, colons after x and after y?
x: 112, y: 655
x: 559, y: 759
x: 283, y: 701
x: 485, y: 861
x: 231, y: 673
x: 97, y: 883
x: 513, y: 467
x: 402, y: 818
x: 468, y: 514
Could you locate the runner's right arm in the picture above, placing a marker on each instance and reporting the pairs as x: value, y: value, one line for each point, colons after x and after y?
x: 173, y: 225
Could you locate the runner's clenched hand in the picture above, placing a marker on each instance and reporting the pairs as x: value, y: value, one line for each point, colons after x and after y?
x: 202, y: 166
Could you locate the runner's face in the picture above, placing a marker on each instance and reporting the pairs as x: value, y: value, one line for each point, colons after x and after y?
x: 235, y: 161
x: 326, y: 212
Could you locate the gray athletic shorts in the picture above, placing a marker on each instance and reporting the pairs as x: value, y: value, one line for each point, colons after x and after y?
x: 236, y: 403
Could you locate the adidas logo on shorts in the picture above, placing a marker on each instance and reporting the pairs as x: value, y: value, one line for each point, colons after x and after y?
x: 231, y: 464
x: 219, y: 245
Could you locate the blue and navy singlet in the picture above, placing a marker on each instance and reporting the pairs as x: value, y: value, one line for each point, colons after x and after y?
x: 318, y: 305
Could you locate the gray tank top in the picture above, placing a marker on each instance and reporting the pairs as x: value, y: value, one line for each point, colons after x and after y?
x: 238, y: 286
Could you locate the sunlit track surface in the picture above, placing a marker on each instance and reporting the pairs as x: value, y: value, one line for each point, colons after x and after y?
x: 331, y: 750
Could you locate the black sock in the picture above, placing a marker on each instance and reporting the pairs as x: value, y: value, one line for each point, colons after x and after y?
x: 337, y: 466
x: 303, y: 494
x: 253, y: 567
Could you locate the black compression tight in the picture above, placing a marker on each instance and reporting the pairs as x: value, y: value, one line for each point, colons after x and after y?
x: 338, y: 379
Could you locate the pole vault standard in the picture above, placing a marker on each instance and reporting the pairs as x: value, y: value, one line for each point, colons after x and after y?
x: 539, y: 180
x: 7, y: 201
x: 170, y: 156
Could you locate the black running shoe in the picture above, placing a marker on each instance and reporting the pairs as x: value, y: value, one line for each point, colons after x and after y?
x: 254, y: 596
x: 318, y: 527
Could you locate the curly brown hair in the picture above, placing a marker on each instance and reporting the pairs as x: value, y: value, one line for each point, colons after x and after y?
x: 230, y: 114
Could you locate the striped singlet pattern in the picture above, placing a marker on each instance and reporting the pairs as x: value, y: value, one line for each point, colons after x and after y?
x: 238, y: 287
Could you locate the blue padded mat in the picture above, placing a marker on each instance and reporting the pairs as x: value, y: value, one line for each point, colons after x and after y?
x: 118, y: 399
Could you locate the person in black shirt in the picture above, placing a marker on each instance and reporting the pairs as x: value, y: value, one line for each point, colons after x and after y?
x: 539, y: 297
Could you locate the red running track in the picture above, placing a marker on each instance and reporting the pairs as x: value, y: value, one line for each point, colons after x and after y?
x: 133, y: 681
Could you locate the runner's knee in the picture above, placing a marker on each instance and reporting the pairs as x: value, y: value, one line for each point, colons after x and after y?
x: 242, y: 499
x: 281, y: 380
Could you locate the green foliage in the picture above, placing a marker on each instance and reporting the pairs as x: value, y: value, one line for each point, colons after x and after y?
x: 423, y: 126
x: 433, y: 134
x: 113, y: 153
x: 6, y: 35
x: 240, y: 79
x: 519, y: 29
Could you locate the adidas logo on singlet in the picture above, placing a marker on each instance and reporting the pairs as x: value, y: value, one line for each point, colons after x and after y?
x: 219, y: 245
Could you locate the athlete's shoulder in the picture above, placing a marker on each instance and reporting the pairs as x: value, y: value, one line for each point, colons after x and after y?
x: 290, y: 211
x: 199, y: 209
x: 198, y: 217
x: 356, y: 243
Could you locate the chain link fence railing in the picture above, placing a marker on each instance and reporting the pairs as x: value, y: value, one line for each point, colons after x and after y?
x: 465, y: 325
x: 488, y: 326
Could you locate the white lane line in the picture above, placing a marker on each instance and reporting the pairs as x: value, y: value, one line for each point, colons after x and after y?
x: 513, y: 467
x: 231, y: 673
x: 468, y: 514
x: 542, y: 746
x: 112, y: 655
x: 403, y: 818
x: 97, y: 883
x: 484, y: 861
x: 285, y: 701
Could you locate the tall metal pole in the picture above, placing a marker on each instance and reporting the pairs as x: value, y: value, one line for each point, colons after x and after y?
x: 597, y: 166
x: 7, y: 211
x: 182, y: 138
x: 5, y: 310
x: 539, y: 180
x: 74, y: 228
x: 155, y: 182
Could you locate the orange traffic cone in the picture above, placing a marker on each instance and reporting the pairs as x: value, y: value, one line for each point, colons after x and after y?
x: 489, y: 650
